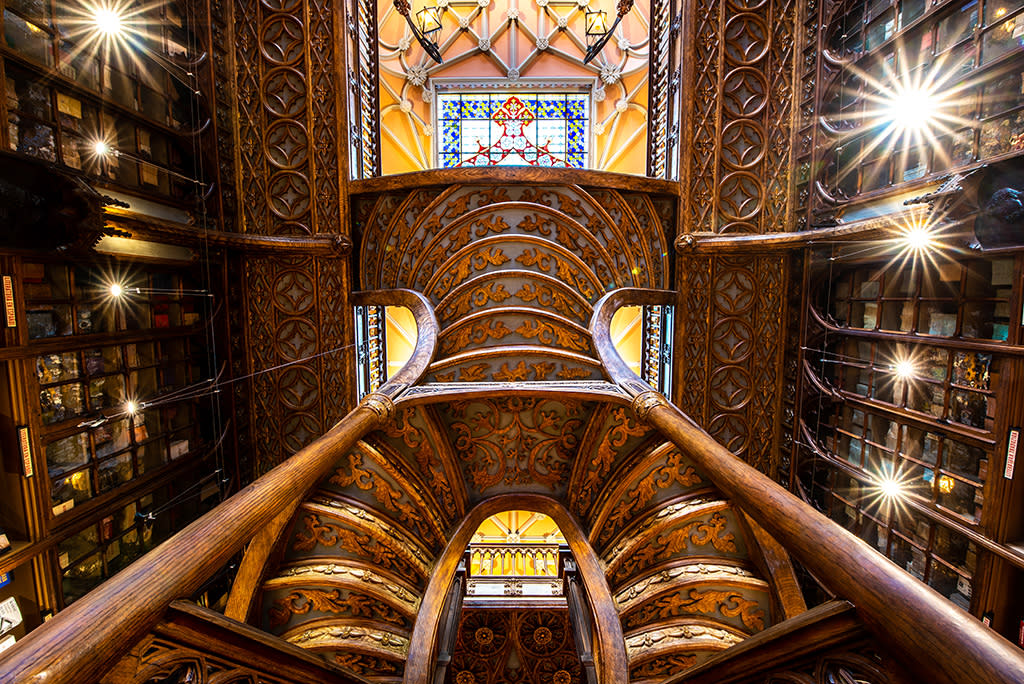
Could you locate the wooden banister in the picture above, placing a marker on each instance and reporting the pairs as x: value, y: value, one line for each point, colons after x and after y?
x: 83, y: 641
x: 911, y: 620
x: 254, y: 563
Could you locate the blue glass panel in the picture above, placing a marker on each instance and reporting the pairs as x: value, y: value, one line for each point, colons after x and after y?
x: 449, y: 161
x: 449, y: 108
x: 577, y: 109
x: 551, y: 108
x: 475, y: 106
x: 450, y: 136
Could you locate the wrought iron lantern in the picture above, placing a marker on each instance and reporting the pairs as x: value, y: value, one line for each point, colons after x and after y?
x: 596, y: 26
x: 428, y: 22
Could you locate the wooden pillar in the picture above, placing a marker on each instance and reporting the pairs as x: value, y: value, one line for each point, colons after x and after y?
x: 82, y: 642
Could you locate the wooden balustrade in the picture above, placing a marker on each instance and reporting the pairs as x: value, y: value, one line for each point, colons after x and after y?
x: 932, y: 636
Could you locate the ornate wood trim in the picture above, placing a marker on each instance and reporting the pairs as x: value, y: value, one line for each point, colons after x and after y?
x: 190, y: 633
x: 507, y: 174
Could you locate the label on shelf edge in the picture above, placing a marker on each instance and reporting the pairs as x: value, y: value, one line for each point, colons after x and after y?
x: 26, y: 452
x: 10, y: 615
x: 1011, y: 452
x: 9, y: 311
x: 6, y: 643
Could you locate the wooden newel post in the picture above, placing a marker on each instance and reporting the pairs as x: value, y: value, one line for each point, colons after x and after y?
x: 581, y: 619
x: 84, y: 641
x: 910, y: 620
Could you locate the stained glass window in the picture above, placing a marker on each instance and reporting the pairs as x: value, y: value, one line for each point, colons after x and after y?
x: 514, y: 129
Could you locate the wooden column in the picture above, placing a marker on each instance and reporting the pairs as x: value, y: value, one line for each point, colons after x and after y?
x: 82, y: 642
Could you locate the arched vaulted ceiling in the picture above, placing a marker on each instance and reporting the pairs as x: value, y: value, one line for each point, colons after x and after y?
x: 515, y: 402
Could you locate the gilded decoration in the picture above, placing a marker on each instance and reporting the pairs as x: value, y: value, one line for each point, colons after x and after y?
x: 343, y: 603
x: 394, y: 496
x: 312, y: 532
x: 695, y: 534
x: 414, y: 434
x: 564, y: 234
x: 619, y: 435
x: 510, y: 443
x: 676, y: 470
x: 722, y: 603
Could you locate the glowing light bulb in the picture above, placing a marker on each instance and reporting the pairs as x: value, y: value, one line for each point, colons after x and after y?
x: 107, y: 21
x: 100, y: 148
x: 890, y: 488
x: 904, y: 369
x: 911, y: 109
x: 918, y: 239
x: 116, y: 290
x: 131, y: 407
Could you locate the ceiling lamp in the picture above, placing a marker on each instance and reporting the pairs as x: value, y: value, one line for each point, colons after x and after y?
x: 428, y: 22
x: 598, y: 32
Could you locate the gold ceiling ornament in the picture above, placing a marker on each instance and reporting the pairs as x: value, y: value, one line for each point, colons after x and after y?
x: 483, y: 636
x: 542, y: 635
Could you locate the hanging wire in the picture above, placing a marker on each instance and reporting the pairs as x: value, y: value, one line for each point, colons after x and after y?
x: 824, y: 344
x: 192, y: 42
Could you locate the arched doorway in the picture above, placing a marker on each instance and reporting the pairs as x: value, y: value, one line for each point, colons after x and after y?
x: 608, y: 643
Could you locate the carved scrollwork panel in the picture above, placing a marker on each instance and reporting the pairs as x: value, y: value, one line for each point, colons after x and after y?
x: 497, y: 646
x: 515, y: 444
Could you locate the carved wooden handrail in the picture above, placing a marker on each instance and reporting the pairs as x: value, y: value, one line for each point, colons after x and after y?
x: 906, y: 616
x: 250, y: 571
x: 82, y: 642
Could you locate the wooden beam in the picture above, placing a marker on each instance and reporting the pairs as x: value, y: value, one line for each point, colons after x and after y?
x: 905, y: 615
x: 507, y: 175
